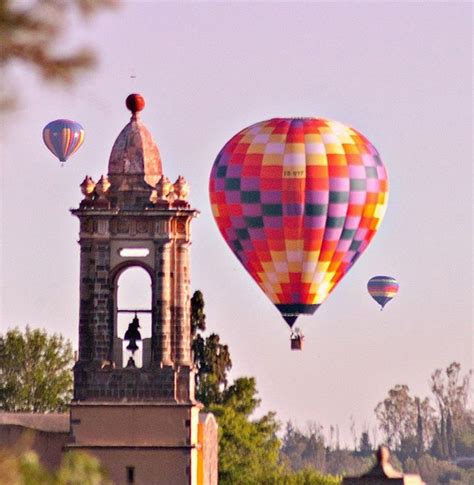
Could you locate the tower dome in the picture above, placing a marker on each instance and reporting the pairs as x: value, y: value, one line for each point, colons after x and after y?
x: 135, y: 157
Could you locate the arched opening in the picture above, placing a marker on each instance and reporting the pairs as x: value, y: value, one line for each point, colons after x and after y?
x: 133, y: 317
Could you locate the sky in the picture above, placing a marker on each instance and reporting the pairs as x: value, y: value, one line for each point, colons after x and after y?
x: 400, y: 73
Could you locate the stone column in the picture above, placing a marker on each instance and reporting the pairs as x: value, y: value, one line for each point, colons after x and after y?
x: 161, y: 337
x: 182, y: 301
x: 102, y: 318
x: 86, y: 341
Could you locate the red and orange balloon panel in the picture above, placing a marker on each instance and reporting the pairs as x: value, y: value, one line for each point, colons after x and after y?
x: 298, y: 200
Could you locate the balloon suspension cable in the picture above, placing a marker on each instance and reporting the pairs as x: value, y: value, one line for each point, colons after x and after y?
x: 296, y: 333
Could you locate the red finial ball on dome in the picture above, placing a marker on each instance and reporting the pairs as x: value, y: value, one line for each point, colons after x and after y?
x: 135, y: 102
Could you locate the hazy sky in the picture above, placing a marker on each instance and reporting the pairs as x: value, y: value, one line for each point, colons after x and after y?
x: 398, y: 72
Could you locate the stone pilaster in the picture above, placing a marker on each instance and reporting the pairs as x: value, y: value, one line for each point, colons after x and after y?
x: 101, y: 301
x: 162, y: 298
x: 182, y: 313
x: 95, y: 325
x: 86, y: 341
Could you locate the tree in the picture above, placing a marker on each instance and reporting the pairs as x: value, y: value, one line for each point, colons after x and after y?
x: 434, y: 471
x: 346, y: 462
x: 353, y: 431
x: 397, y: 415
x: 450, y: 441
x: 365, y: 446
x: 306, y: 451
x: 451, y: 392
x: 35, y: 371
x: 306, y: 476
x: 293, y: 447
x: 30, y: 32
x: 198, y: 316
x: 248, y: 448
x: 211, y: 357
x: 420, y: 440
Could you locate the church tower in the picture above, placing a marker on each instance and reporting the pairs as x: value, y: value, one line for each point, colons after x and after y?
x: 134, y: 405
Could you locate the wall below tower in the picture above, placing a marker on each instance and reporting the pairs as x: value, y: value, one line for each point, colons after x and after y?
x: 151, y: 466
x: 163, y: 443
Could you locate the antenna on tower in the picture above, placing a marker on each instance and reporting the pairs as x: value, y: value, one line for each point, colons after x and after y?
x: 133, y: 77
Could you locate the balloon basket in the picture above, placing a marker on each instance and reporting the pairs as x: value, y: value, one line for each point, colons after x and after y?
x: 297, y: 342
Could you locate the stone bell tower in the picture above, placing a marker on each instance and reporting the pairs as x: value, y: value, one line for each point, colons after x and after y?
x: 142, y: 422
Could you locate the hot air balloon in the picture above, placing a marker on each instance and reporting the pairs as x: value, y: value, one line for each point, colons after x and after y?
x: 63, y: 138
x: 382, y: 289
x: 298, y: 200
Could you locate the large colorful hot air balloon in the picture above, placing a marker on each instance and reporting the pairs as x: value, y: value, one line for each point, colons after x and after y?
x: 298, y: 200
x: 382, y: 289
x: 63, y: 138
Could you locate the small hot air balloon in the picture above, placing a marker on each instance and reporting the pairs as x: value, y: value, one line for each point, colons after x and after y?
x: 298, y: 200
x: 382, y: 289
x: 63, y: 138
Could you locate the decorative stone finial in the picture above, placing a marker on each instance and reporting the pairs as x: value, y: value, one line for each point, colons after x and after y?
x: 181, y: 188
x: 102, y: 187
x: 102, y: 192
x: 87, y: 187
x: 135, y: 103
x: 162, y: 191
x: 163, y: 187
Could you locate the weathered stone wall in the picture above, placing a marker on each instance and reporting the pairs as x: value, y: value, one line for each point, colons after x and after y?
x: 95, y: 324
x: 166, y: 375
x: 133, y: 384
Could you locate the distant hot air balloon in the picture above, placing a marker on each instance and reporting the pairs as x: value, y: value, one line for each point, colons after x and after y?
x: 382, y: 289
x: 298, y: 200
x: 63, y: 138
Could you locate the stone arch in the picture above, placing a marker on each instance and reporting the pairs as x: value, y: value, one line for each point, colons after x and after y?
x: 132, y: 290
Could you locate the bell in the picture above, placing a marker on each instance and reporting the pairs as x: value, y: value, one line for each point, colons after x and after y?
x: 133, y: 334
x: 132, y: 346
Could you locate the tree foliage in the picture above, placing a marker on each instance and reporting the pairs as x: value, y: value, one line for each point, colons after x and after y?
x: 365, y: 446
x: 308, y: 451
x: 451, y: 392
x: 249, y: 449
x: 35, y: 371
x: 24, y: 468
x: 397, y: 415
x: 427, y: 439
x: 30, y: 33
x: 211, y: 357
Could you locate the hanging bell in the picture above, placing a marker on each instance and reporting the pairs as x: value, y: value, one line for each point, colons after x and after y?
x: 132, y: 346
x: 133, y: 334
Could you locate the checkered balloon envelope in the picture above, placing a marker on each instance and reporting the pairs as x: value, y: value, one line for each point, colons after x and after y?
x: 298, y: 200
